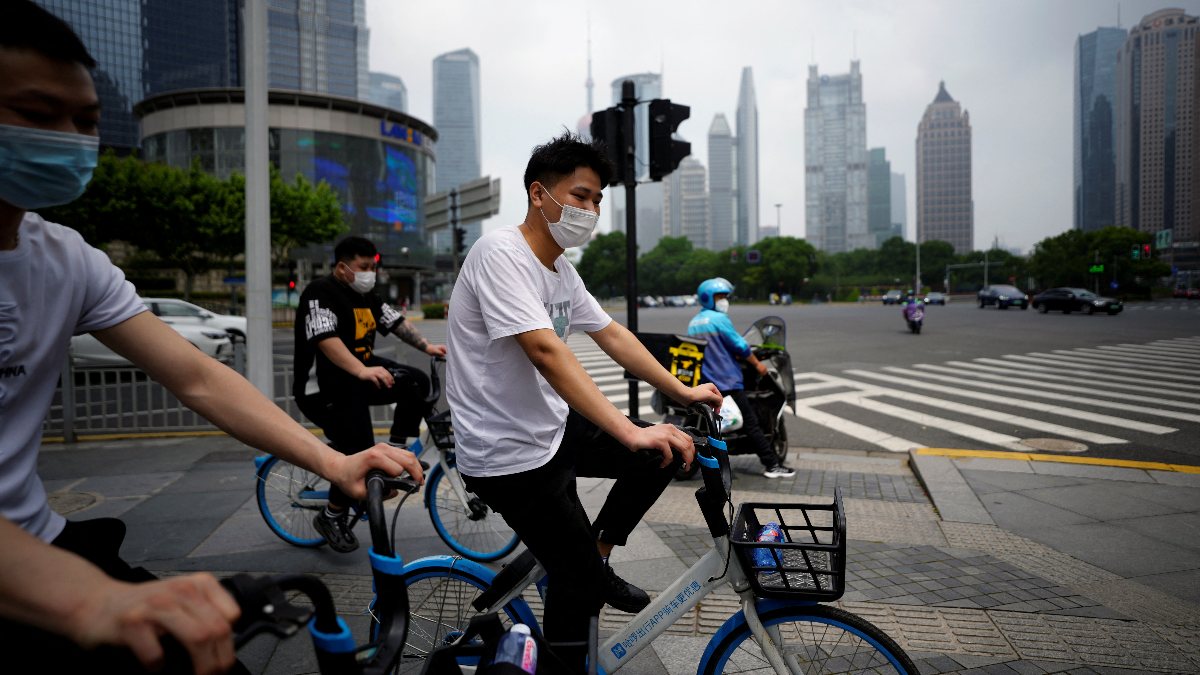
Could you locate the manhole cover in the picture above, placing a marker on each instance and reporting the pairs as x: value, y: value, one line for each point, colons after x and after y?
x: 70, y: 502
x: 1054, y: 445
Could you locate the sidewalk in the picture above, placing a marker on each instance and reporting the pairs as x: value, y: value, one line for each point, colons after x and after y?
x: 972, y: 563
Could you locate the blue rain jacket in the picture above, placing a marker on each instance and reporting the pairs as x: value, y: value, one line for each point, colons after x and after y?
x: 725, y: 346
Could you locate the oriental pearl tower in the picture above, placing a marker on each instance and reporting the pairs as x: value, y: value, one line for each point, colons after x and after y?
x: 584, y: 126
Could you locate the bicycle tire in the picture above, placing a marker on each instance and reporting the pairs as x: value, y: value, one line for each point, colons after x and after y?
x: 278, y: 486
x: 486, y: 539
x: 826, y: 639
x: 440, y: 592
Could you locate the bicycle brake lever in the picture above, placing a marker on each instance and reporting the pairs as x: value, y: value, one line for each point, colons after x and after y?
x: 265, y: 609
x: 403, y: 483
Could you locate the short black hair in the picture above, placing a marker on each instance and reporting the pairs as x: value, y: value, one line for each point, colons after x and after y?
x: 24, y: 25
x: 353, y: 247
x: 553, y: 161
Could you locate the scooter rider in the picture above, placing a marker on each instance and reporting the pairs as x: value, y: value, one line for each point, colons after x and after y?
x: 720, y: 365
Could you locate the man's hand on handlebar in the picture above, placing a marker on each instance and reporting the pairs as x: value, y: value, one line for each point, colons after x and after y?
x: 194, y: 609
x: 435, y: 350
x: 707, y: 394
x: 350, y: 472
x: 667, y: 439
x: 377, y: 375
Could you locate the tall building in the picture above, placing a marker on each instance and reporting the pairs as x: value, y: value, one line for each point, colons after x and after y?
x: 584, y: 126
x: 388, y: 91
x: 722, y: 232
x: 835, y: 162
x: 318, y: 46
x: 1095, y: 127
x: 879, y: 196
x: 456, y: 116
x: 899, y: 205
x: 650, y: 223
x: 1158, y: 131
x: 112, y: 32
x: 945, y: 209
x: 685, y: 202
x: 747, y: 160
x: 191, y: 45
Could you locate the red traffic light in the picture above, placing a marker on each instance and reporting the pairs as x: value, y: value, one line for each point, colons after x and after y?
x: 291, y: 284
x: 1145, y: 250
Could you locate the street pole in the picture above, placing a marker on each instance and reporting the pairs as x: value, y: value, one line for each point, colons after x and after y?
x: 260, y: 368
x: 628, y: 102
x: 779, y: 218
x: 453, y: 236
x: 985, y: 269
x: 917, y: 288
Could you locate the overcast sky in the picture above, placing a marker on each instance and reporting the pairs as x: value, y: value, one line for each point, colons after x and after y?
x: 1009, y: 63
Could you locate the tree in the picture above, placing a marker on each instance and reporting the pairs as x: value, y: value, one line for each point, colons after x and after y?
x: 786, y: 264
x: 935, y: 256
x: 699, y: 265
x: 107, y: 210
x: 301, y: 214
x: 658, y: 268
x: 602, y: 266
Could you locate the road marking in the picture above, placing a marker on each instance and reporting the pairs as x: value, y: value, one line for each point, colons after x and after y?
x: 1102, y: 371
x: 1159, y: 346
x: 853, y: 429
x: 1061, y: 459
x: 1142, y: 353
x: 1090, y: 363
x: 1004, y: 367
x: 1129, y: 362
x: 1129, y: 359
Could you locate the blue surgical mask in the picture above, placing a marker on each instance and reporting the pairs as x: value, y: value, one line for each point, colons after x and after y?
x: 40, y: 168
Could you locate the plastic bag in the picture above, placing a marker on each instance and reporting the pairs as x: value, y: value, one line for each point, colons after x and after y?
x: 731, y: 415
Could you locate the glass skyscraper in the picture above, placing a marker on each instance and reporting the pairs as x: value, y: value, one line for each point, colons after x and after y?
x: 388, y: 91
x: 190, y: 44
x: 456, y: 116
x: 747, y: 160
x: 879, y: 195
x: 835, y: 162
x: 1095, y: 127
x: 318, y: 46
x: 722, y: 231
x: 945, y: 208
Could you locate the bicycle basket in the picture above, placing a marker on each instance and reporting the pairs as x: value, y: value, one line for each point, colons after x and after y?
x: 810, y: 562
x: 441, y: 431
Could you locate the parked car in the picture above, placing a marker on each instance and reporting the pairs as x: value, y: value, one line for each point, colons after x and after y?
x: 936, y: 298
x: 1069, y: 300
x: 1193, y: 293
x: 175, y: 311
x: 87, y: 351
x: 1003, y: 297
x: 1180, y: 292
x: 648, y: 301
x: 893, y: 297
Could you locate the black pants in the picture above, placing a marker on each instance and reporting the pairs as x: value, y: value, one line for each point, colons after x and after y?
x: 752, y: 429
x: 343, y: 410
x: 542, y: 506
x: 99, y: 542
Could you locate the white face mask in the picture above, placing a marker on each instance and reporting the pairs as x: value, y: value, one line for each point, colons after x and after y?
x: 574, y: 226
x: 722, y: 305
x: 363, y: 281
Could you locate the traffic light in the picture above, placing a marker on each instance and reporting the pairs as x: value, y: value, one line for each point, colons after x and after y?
x: 606, y: 132
x: 666, y: 152
x: 292, y: 282
x: 1136, y: 252
x: 460, y: 243
x: 1145, y: 251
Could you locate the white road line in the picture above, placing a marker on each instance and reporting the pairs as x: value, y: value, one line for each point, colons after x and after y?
x: 1160, y: 347
x: 1157, y: 358
x: 1060, y: 411
x: 985, y: 413
x: 1094, y: 356
x: 998, y: 366
x: 1089, y: 362
x: 854, y: 429
x: 1101, y: 372
x: 1021, y: 391
x: 1191, y: 350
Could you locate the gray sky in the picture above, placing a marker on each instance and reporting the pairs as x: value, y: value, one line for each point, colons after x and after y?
x: 1009, y: 62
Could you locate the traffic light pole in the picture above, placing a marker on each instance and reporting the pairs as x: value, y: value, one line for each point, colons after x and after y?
x: 628, y: 102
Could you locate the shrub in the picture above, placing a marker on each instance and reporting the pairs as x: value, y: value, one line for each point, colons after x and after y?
x: 434, y: 310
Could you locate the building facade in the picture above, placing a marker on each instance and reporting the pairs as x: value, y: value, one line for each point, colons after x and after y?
x: 945, y: 208
x: 685, y: 202
x: 721, y: 211
x: 1095, y: 127
x: 191, y: 44
x: 835, y: 162
x: 388, y: 91
x: 649, y: 197
x: 456, y: 114
x: 899, y: 205
x: 1158, y: 133
x: 879, y: 195
x: 747, y: 160
x: 318, y: 46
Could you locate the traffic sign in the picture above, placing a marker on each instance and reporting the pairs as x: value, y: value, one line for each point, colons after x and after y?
x: 1096, y: 269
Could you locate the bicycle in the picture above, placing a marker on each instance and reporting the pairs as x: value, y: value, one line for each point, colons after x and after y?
x: 289, y: 496
x: 781, y: 625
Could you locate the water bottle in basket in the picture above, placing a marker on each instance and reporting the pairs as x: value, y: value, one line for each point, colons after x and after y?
x: 516, y: 653
x: 763, y: 556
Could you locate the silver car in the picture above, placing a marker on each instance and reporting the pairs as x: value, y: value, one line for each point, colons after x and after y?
x: 87, y: 351
x: 179, y: 312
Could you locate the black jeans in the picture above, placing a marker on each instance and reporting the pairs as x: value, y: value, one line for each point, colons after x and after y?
x: 752, y: 429
x: 542, y: 506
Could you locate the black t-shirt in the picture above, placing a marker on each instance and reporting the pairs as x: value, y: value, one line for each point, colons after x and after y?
x: 328, y: 308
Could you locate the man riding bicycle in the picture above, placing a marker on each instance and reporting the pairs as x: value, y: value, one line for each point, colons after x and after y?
x: 339, y: 376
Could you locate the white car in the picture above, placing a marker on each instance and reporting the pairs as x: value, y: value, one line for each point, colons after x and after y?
x: 177, y: 312
x: 86, y: 350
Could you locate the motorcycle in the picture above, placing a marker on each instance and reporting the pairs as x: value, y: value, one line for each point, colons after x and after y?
x: 770, y: 394
x: 914, y: 314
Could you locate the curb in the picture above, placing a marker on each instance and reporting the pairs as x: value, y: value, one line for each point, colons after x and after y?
x: 953, y: 498
x: 1063, y: 459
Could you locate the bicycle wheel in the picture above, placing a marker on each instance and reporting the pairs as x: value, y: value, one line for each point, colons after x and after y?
x: 440, y: 593
x: 288, y: 498
x: 473, y: 530
x: 821, y: 639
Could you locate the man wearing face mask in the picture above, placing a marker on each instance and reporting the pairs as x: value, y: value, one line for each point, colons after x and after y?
x: 339, y: 376
x: 527, y: 417
x: 720, y: 365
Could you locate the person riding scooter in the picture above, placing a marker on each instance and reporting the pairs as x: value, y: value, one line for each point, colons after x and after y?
x: 913, y: 311
x: 720, y: 366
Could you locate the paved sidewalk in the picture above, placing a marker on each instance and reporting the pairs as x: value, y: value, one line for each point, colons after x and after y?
x: 973, y: 564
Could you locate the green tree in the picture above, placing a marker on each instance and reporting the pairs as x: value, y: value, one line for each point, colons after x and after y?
x: 786, y: 263
x: 302, y: 213
x: 699, y: 265
x: 602, y: 265
x: 935, y: 256
x: 107, y: 210
x: 658, y: 268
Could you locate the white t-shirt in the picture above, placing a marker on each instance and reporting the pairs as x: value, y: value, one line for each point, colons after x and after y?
x: 52, y: 286
x: 507, y: 418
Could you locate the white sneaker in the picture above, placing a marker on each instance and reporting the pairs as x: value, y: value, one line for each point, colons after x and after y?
x: 779, y: 471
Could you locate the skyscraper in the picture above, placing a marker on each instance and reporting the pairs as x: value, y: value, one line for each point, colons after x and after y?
x: 879, y: 196
x: 722, y: 232
x: 318, y: 46
x: 835, y: 162
x: 685, y: 202
x: 899, y: 205
x: 112, y: 32
x: 1158, y: 131
x: 189, y: 45
x: 650, y: 225
x: 747, y: 160
x: 1095, y: 127
x: 945, y: 209
x: 456, y: 116
x: 388, y: 91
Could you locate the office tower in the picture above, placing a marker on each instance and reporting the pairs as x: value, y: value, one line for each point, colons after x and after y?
x: 388, y: 91
x: 456, y: 116
x: 747, y: 160
x: 1095, y: 127
x: 835, y: 162
x: 318, y: 46
x: 1158, y: 133
x: 879, y: 196
x: 112, y: 32
x: 722, y: 232
x: 685, y: 202
x: 899, y: 205
x: 650, y: 224
x: 945, y: 209
x: 190, y: 45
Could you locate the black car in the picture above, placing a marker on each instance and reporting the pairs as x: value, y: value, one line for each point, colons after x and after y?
x: 1067, y: 300
x: 935, y: 298
x: 1003, y: 297
x: 893, y: 297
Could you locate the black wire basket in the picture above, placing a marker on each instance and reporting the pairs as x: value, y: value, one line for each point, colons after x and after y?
x: 441, y: 431
x: 808, y: 564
